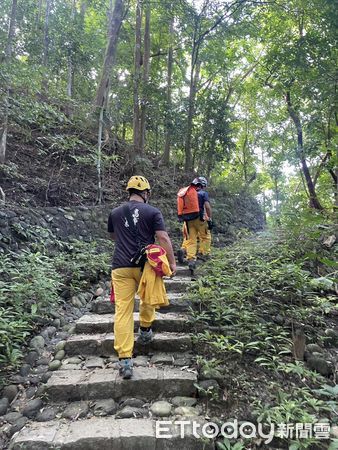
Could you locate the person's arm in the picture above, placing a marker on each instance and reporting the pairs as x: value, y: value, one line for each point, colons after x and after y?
x: 165, y: 242
x: 110, y: 227
x: 208, y: 209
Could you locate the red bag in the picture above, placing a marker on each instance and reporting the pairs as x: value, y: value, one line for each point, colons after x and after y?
x: 156, y: 257
x: 187, y: 201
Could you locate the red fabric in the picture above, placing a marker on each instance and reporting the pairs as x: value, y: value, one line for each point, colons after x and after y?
x: 187, y: 201
x: 155, y: 256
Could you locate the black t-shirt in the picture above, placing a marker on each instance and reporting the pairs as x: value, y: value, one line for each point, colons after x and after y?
x: 147, y: 220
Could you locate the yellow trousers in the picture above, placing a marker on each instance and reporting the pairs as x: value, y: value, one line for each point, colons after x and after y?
x: 126, y: 281
x: 205, y: 239
x: 195, y: 227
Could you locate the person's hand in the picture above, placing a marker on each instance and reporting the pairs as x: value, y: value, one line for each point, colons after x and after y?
x: 173, y: 270
x: 210, y: 224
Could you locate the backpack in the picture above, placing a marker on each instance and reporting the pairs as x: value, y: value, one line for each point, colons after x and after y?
x: 187, y: 203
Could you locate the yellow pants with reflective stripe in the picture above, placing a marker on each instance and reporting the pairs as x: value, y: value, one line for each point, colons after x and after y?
x: 126, y: 281
x: 203, y: 235
x: 195, y: 227
x: 205, y: 239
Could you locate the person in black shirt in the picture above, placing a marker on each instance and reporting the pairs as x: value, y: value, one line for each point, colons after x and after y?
x: 148, y: 224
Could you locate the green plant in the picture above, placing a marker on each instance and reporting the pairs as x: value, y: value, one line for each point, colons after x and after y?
x: 226, y: 445
x: 298, y: 368
x: 30, y: 285
x: 303, y: 444
x: 328, y: 391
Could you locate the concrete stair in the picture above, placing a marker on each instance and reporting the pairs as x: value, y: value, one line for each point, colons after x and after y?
x: 103, y: 344
x: 152, y: 382
x: 103, y: 323
x: 163, y: 373
x: 106, y: 433
x: 177, y: 303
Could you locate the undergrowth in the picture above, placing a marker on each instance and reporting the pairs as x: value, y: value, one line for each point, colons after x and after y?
x: 247, y: 306
x: 31, y: 284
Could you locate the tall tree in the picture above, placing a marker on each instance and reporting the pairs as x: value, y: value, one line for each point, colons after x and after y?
x: 102, y: 92
x: 145, y: 76
x: 168, y: 114
x: 46, y: 41
x: 70, y: 78
x: 116, y: 18
x: 314, y: 202
x: 137, y: 78
x: 8, y: 56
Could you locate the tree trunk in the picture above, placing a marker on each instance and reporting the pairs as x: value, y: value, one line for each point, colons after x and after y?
x: 314, y: 202
x: 38, y: 15
x: 99, y: 157
x: 335, y: 187
x: 3, y: 132
x: 46, y: 33
x: 83, y: 8
x: 8, y: 55
x: 102, y: 93
x: 194, y: 78
x: 109, y: 59
x: 244, y: 154
x: 46, y: 46
x: 137, y: 77
x: 70, y: 58
x: 124, y: 130
x: 146, y: 64
x: 168, y: 124
x: 277, y: 200
x: 156, y: 139
x: 11, y: 31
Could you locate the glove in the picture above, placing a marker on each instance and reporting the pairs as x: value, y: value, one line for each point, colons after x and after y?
x: 210, y: 224
x: 180, y: 219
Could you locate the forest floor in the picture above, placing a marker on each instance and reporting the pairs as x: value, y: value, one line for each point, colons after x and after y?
x: 266, y: 327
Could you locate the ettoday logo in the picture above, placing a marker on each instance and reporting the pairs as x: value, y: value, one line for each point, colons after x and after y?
x: 246, y: 430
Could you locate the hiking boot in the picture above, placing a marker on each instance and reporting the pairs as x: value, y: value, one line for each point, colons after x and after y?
x: 145, y: 337
x: 126, y: 368
x: 192, y: 265
x: 180, y: 255
x: 203, y: 257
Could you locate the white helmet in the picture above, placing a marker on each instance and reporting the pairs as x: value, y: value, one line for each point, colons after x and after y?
x: 200, y: 180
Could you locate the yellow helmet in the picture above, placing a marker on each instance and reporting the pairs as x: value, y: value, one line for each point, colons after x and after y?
x: 139, y: 183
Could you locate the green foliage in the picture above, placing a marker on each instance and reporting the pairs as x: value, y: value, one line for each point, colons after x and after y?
x: 82, y: 264
x: 245, y: 306
x: 299, y: 407
x: 31, y: 283
x: 14, y: 329
x: 225, y: 444
x: 30, y: 279
x: 241, y: 131
x: 29, y: 289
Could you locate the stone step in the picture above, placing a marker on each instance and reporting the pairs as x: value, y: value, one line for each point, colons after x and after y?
x: 177, y: 302
x: 107, y: 433
x: 150, y: 382
x: 103, y: 344
x: 183, y: 271
x: 177, y: 359
x: 177, y: 284
x: 103, y: 323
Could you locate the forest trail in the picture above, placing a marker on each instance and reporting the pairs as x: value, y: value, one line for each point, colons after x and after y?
x: 116, y: 413
x: 236, y: 342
